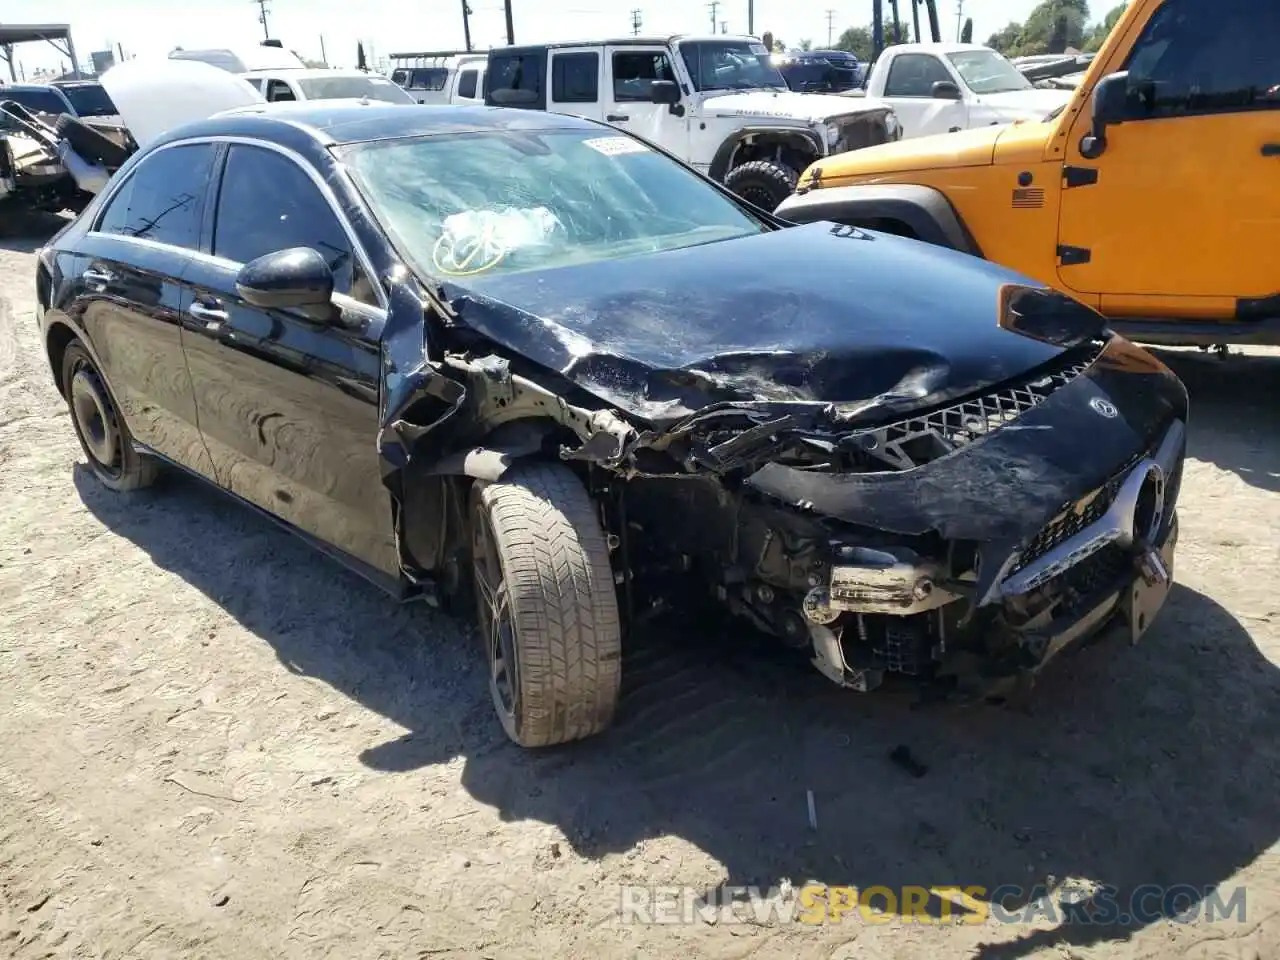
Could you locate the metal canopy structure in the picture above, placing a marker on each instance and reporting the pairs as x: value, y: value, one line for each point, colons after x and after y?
x: 57, y: 35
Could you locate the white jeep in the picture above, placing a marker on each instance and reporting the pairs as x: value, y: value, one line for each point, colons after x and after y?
x: 717, y: 102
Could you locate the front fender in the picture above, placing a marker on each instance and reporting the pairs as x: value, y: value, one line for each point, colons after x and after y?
x: 924, y: 210
x: 720, y: 161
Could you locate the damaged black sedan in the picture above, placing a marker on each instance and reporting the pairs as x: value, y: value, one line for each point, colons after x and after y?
x: 528, y: 364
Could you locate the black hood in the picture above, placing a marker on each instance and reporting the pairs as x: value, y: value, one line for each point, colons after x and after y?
x: 810, y: 313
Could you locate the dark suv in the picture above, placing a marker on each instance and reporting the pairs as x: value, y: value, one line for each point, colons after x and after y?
x: 822, y: 71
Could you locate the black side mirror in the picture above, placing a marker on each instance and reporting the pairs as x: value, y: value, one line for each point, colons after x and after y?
x: 295, y: 279
x: 664, y: 91
x: 1110, y: 106
x: 944, y: 90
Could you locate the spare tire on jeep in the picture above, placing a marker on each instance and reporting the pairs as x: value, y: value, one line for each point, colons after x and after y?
x: 91, y: 144
x: 763, y: 183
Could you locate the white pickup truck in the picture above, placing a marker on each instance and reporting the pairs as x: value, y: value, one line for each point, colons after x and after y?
x: 945, y: 87
x: 717, y: 102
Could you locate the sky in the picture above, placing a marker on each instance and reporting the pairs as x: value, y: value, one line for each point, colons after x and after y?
x: 154, y: 27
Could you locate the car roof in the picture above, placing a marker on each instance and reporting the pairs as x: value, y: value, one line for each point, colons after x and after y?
x: 335, y: 122
x: 28, y: 87
x: 938, y: 47
x: 632, y: 42
x: 304, y: 73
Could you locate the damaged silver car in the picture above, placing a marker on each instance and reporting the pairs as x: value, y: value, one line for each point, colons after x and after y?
x: 527, y: 364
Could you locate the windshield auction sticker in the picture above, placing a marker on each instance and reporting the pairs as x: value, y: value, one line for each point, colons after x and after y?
x: 616, y: 146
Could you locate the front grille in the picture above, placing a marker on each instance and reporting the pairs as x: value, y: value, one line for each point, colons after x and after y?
x: 917, y: 441
x: 865, y: 130
x: 1071, y: 520
x: 1101, y: 571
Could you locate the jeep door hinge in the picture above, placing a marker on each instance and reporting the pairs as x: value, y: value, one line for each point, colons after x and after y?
x: 1073, y: 256
x: 1079, y: 177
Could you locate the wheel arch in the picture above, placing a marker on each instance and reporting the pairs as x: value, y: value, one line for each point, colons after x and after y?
x: 926, y: 212
x: 722, y: 161
x: 433, y: 496
x: 58, y: 336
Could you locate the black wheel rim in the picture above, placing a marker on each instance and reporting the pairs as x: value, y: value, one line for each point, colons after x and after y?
x: 497, y: 628
x: 96, y: 420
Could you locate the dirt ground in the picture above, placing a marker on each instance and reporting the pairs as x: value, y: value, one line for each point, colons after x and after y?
x: 217, y: 743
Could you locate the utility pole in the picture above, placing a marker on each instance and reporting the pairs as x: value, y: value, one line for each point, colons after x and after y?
x: 959, y: 17
x: 262, y: 18
x: 466, y: 25
x: 915, y: 20
x: 714, y: 5
x: 751, y: 19
x: 831, y: 19
x: 324, y: 58
x: 635, y: 23
x: 511, y: 30
x: 724, y: 26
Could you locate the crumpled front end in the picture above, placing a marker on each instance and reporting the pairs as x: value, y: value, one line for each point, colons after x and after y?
x: 965, y: 546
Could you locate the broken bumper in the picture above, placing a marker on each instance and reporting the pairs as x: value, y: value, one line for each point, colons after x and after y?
x: 1107, y: 557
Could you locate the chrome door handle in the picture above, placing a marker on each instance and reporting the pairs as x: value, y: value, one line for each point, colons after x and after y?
x: 96, y: 276
x: 212, y: 317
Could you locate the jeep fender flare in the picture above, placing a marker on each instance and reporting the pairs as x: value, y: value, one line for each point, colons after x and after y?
x: 720, y: 162
x: 925, y: 211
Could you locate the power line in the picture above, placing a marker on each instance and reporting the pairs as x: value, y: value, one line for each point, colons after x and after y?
x: 831, y: 19
x: 635, y: 23
x: 714, y: 5
x: 262, y: 17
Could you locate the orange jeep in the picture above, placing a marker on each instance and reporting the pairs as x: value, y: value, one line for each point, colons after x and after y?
x: 1153, y: 196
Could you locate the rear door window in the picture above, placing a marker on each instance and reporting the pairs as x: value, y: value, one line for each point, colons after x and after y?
x: 163, y: 199
x: 575, y: 77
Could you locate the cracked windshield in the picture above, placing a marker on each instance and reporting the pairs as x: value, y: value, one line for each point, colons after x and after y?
x: 464, y: 205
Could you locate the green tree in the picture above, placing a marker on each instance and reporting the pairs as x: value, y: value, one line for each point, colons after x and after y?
x: 856, y: 40
x: 805, y: 45
x: 1053, y: 23
x: 1100, y: 31
x: 966, y: 34
x: 1007, y: 40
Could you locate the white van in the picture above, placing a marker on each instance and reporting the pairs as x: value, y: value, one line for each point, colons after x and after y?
x: 441, y: 77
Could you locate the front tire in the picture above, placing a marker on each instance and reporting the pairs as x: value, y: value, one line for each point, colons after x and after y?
x: 548, y: 612
x: 763, y: 183
x: 101, y: 430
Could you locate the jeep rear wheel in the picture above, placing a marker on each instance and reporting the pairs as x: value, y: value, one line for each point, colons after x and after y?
x: 762, y: 183
x: 548, y: 613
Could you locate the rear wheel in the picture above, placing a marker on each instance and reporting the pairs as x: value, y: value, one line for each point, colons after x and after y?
x: 99, y: 427
x: 763, y: 183
x: 548, y: 613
